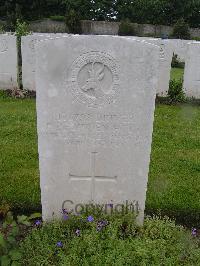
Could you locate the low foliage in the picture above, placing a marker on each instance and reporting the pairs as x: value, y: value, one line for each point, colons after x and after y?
x: 110, y: 240
x: 3, y: 94
x: 175, y: 92
x: 57, y: 18
x: 126, y: 28
x: 10, y: 233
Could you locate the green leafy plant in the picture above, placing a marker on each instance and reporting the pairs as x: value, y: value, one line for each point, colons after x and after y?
x: 11, y: 231
x: 175, y: 92
x: 181, y: 30
x: 73, y: 22
x: 110, y: 240
x: 176, y: 62
x: 2, y: 29
x: 126, y: 28
x: 21, y: 28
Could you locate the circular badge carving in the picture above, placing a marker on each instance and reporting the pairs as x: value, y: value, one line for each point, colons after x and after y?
x: 94, y: 79
x: 3, y: 46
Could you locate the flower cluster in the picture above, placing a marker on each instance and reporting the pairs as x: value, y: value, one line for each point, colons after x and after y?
x: 59, y: 244
x: 90, y: 219
x: 38, y: 222
x: 65, y: 214
x: 194, y: 232
x: 78, y: 232
x: 101, y: 225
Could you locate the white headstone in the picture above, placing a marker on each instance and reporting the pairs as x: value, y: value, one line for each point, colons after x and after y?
x: 8, y: 61
x: 164, y: 69
x: 192, y: 71
x: 166, y: 54
x: 179, y: 48
x: 28, y: 57
x: 95, y: 109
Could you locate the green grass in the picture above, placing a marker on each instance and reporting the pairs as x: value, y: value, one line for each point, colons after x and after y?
x: 19, y: 175
x: 174, y: 178
x: 177, y: 73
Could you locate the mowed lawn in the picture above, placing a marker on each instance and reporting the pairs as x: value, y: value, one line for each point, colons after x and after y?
x: 177, y: 73
x: 174, y: 178
x: 19, y: 174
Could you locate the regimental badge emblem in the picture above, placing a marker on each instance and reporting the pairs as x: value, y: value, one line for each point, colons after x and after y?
x: 94, y: 79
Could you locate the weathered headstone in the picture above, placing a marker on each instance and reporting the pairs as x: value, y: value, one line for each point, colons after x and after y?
x: 8, y: 61
x: 179, y: 48
x: 192, y: 71
x: 164, y: 68
x: 95, y: 109
x: 28, y: 57
x: 165, y: 59
x: 166, y: 54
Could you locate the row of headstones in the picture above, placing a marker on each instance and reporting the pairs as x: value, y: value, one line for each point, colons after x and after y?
x: 95, y: 110
x: 186, y: 51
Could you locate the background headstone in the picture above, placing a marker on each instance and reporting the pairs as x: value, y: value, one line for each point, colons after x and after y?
x: 165, y: 59
x: 179, y: 48
x: 95, y: 110
x: 8, y: 61
x: 192, y: 71
x: 28, y: 57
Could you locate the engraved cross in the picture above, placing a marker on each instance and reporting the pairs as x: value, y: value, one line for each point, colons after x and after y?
x: 92, y: 177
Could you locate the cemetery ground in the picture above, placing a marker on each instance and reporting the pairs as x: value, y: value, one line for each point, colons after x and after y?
x: 173, y: 190
x: 177, y: 73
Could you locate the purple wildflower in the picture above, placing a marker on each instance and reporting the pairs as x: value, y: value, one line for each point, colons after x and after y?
x: 110, y: 205
x: 65, y: 217
x: 194, y: 232
x: 64, y: 211
x: 101, y: 225
x: 90, y: 218
x: 59, y: 244
x: 38, y: 222
x: 78, y: 232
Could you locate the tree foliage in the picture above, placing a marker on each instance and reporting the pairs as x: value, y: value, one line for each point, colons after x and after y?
x: 181, y: 30
x: 73, y: 22
x: 166, y: 12
x: 126, y: 28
